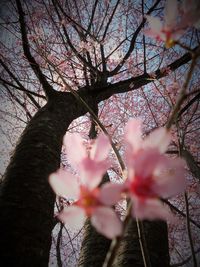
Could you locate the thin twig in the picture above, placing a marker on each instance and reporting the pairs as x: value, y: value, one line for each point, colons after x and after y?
x: 180, y: 148
x: 116, y: 242
x: 143, y: 244
x: 181, y: 97
x: 180, y: 212
x: 184, y: 261
x: 58, y: 255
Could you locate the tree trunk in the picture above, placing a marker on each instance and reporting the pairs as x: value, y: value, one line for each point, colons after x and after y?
x: 156, y: 239
x: 94, y: 247
x: 26, y: 199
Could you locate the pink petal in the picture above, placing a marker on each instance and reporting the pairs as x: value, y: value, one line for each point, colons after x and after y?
x: 64, y: 184
x: 150, y: 209
x: 91, y: 172
x: 131, y: 171
x: 159, y: 138
x: 171, y: 13
x: 106, y: 222
x: 76, y: 151
x: 73, y: 217
x: 100, y: 148
x: 152, y: 34
x: 110, y: 193
x: 133, y: 134
x: 170, y: 178
x: 155, y: 24
x: 146, y: 162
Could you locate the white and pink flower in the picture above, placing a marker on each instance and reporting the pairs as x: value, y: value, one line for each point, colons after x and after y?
x: 176, y: 21
x: 167, y: 31
x: 151, y: 175
x: 89, y: 198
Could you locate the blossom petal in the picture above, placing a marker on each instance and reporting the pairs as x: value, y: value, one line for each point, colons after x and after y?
x: 100, y: 149
x: 155, y: 35
x: 146, y: 162
x: 92, y: 172
x: 159, y: 138
x: 106, y: 222
x: 76, y: 150
x: 73, y: 217
x: 150, y: 209
x: 170, y: 179
x: 110, y: 193
x: 171, y: 12
x: 133, y: 134
x: 64, y: 184
x: 155, y: 24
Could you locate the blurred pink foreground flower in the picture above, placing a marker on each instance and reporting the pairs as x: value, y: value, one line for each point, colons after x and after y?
x: 150, y: 173
x: 166, y: 32
x: 90, y: 200
x: 176, y: 21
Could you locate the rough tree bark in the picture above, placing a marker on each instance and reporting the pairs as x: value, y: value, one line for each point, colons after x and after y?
x: 94, y: 247
x: 26, y: 199
x: 156, y: 239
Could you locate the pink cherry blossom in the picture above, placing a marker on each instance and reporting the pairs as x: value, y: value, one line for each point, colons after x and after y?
x: 167, y: 31
x: 88, y: 162
x: 151, y: 174
x: 88, y: 197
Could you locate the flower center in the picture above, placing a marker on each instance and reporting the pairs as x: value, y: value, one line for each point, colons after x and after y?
x: 169, y: 41
x: 142, y: 187
x: 88, y: 199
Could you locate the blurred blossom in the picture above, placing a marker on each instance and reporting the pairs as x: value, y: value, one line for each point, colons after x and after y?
x: 151, y: 174
x: 176, y: 21
x: 90, y: 200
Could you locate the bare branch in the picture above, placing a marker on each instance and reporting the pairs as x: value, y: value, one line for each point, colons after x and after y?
x: 48, y: 89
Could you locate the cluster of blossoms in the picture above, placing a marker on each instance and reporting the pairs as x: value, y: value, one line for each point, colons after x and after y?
x: 176, y: 21
x: 150, y: 176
